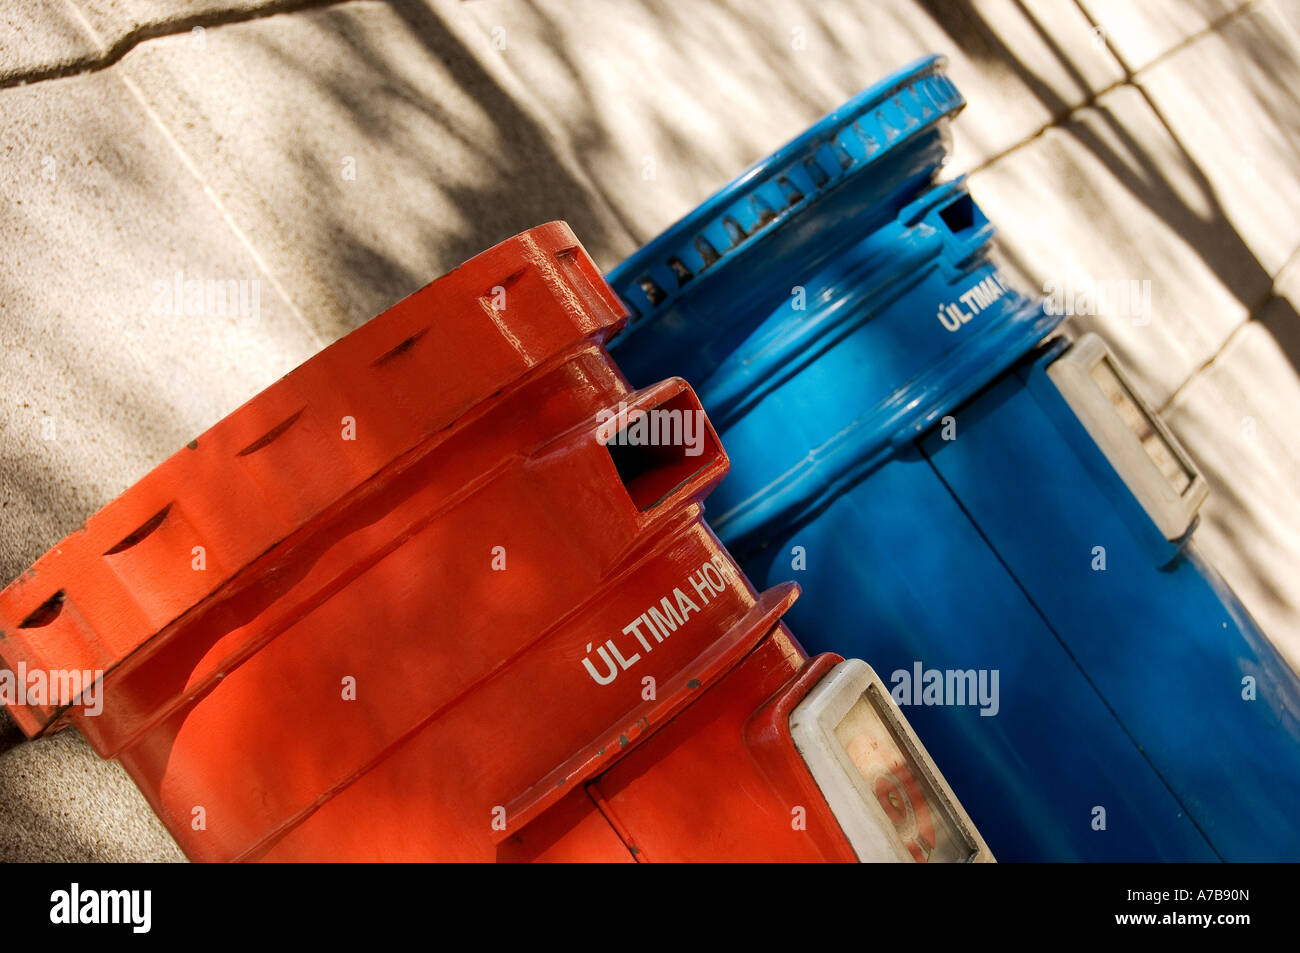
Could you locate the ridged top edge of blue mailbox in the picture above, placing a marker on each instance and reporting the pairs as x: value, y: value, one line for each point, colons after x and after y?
x: 841, y: 145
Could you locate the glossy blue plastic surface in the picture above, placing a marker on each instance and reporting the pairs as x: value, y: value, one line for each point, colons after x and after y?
x: 837, y: 341
x: 1163, y: 640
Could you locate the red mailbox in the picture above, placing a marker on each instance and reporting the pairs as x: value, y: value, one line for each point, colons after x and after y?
x: 445, y: 592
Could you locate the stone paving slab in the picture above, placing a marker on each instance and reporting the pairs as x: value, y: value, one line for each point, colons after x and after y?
x: 106, y: 370
x: 1109, y: 199
x: 394, y: 146
x: 112, y: 20
x: 39, y: 37
x: 43, y: 38
x: 1233, y: 100
x: 1141, y: 30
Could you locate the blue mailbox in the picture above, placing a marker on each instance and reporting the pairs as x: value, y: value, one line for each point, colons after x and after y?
x: 980, y: 506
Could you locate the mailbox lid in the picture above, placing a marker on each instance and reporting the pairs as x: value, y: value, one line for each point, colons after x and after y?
x: 799, y: 206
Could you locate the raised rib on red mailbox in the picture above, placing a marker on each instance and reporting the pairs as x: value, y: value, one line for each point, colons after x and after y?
x: 410, y: 579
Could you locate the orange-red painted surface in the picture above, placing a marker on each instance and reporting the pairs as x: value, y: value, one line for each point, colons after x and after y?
x: 388, y: 609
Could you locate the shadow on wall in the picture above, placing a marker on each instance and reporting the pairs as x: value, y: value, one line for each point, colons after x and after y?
x: 526, y: 178
x: 1137, y: 167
